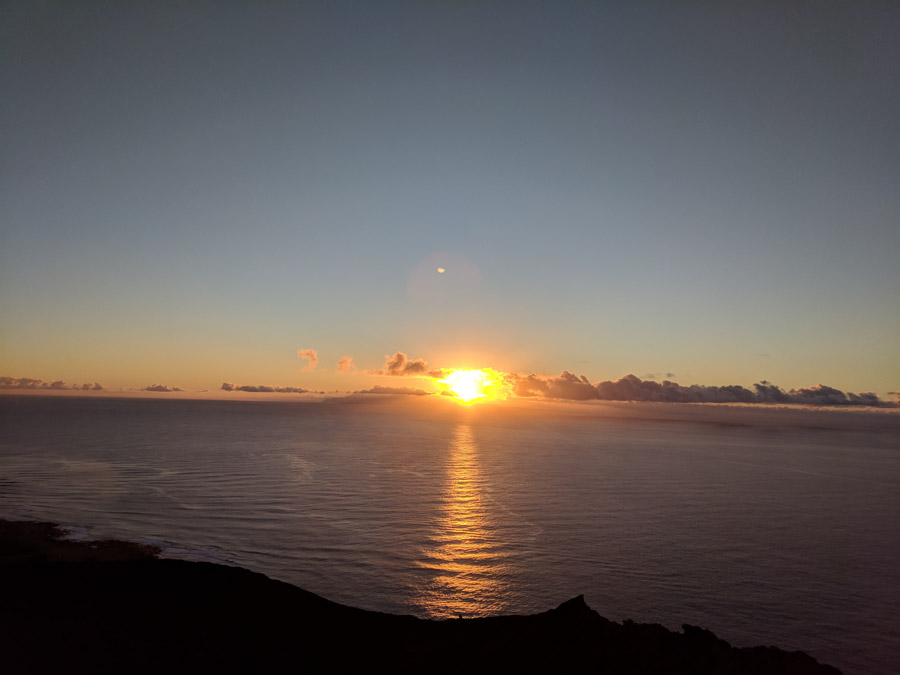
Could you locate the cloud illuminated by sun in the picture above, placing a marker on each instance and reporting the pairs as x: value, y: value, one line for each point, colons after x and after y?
x: 469, y: 386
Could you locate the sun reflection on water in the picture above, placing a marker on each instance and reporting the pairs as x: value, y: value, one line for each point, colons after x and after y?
x: 465, y: 561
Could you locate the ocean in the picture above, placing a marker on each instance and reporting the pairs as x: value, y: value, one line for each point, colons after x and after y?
x: 767, y: 526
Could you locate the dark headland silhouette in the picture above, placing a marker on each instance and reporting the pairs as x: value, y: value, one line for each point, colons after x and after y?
x: 78, y: 607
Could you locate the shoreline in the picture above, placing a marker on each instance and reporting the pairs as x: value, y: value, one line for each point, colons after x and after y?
x: 104, y: 606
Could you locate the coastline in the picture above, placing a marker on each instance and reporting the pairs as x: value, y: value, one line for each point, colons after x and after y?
x: 88, y: 606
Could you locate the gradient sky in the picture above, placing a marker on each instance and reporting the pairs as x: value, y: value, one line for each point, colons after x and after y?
x: 191, y: 193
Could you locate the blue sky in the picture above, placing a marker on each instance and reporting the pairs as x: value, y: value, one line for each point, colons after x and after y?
x: 192, y: 193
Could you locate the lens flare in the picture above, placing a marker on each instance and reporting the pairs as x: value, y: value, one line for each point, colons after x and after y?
x: 468, y: 386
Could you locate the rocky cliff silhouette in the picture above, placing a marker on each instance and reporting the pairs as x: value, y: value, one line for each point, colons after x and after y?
x: 101, y: 607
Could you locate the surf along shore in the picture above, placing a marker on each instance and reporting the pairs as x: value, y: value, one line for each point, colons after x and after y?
x: 114, y: 606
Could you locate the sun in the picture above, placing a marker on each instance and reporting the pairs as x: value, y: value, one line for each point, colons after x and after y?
x: 468, y: 386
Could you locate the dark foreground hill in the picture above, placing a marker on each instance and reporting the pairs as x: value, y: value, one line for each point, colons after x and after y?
x: 69, y: 607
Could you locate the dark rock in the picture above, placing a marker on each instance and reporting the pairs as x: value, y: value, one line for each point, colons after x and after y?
x: 71, y: 612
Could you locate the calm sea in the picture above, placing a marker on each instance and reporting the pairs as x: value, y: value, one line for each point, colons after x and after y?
x: 777, y: 528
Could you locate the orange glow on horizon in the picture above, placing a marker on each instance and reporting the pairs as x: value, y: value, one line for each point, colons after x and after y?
x: 469, y: 386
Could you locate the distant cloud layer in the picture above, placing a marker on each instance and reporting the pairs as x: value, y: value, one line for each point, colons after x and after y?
x: 311, y: 355
x: 570, y: 387
x: 565, y: 386
x: 262, y: 388
x: 630, y: 388
x: 28, y: 383
x: 161, y: 387
x: 378, y: 389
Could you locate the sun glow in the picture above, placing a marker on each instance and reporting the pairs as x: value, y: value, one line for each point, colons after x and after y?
x: 468, y: 386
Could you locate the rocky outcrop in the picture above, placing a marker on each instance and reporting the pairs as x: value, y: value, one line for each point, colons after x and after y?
x: 70, y: 607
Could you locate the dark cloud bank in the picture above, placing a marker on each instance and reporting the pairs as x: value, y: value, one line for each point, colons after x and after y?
x: 262, y: 389
x: 405, y: 391
x: 567, y: 386
x: 161, y: 387
x: 58, y: 385
x: 630, y: 388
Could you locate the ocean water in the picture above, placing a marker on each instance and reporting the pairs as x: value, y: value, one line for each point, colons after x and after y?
x: 778, y: 527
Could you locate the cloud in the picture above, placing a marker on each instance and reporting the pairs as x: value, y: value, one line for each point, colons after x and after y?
x: 22, y: 383
x: 526, y: 386
x: 407, y: 391
x: 571, y: 387
x: 863, y: 398
x: 311, y: 355
x: 262, y: 388
x: 399, y: 365
x: 564, y: 386
x: 345, y: 365
x: 631, y: 388
x: 766, y: 392
x: 818, y: 395
x: 56, y: 385
x: 161, y: 387
x: 567, y: 386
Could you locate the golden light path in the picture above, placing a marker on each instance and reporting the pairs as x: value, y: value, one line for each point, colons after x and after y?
x: 465, y: 561
x: 468, y: 386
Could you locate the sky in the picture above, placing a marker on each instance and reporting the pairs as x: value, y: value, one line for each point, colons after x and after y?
x: 195, y: 193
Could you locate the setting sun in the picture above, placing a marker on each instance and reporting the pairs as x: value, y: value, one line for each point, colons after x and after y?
x: 473, y: 385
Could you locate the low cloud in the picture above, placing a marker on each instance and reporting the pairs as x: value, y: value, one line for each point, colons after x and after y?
x: 564, y: 386
x: 766, y: 392
x: 399, y: 365
x: 345, y: 365
x: 571, y: 387
x: 406, y: 391
x: 823, y: 395
x: 262, y: 388
x: 56, y: 385
x: 526, y: 386
x: 567, y: 386
x: 311, y: 356
x: 161, y: 387
x: 631, y: 388
x: 863, y: 398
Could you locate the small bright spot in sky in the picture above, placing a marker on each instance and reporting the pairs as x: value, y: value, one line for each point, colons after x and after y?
x: 441, y: 270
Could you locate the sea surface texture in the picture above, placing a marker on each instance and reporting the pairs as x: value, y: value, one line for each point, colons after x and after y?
x: 772, y: 531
